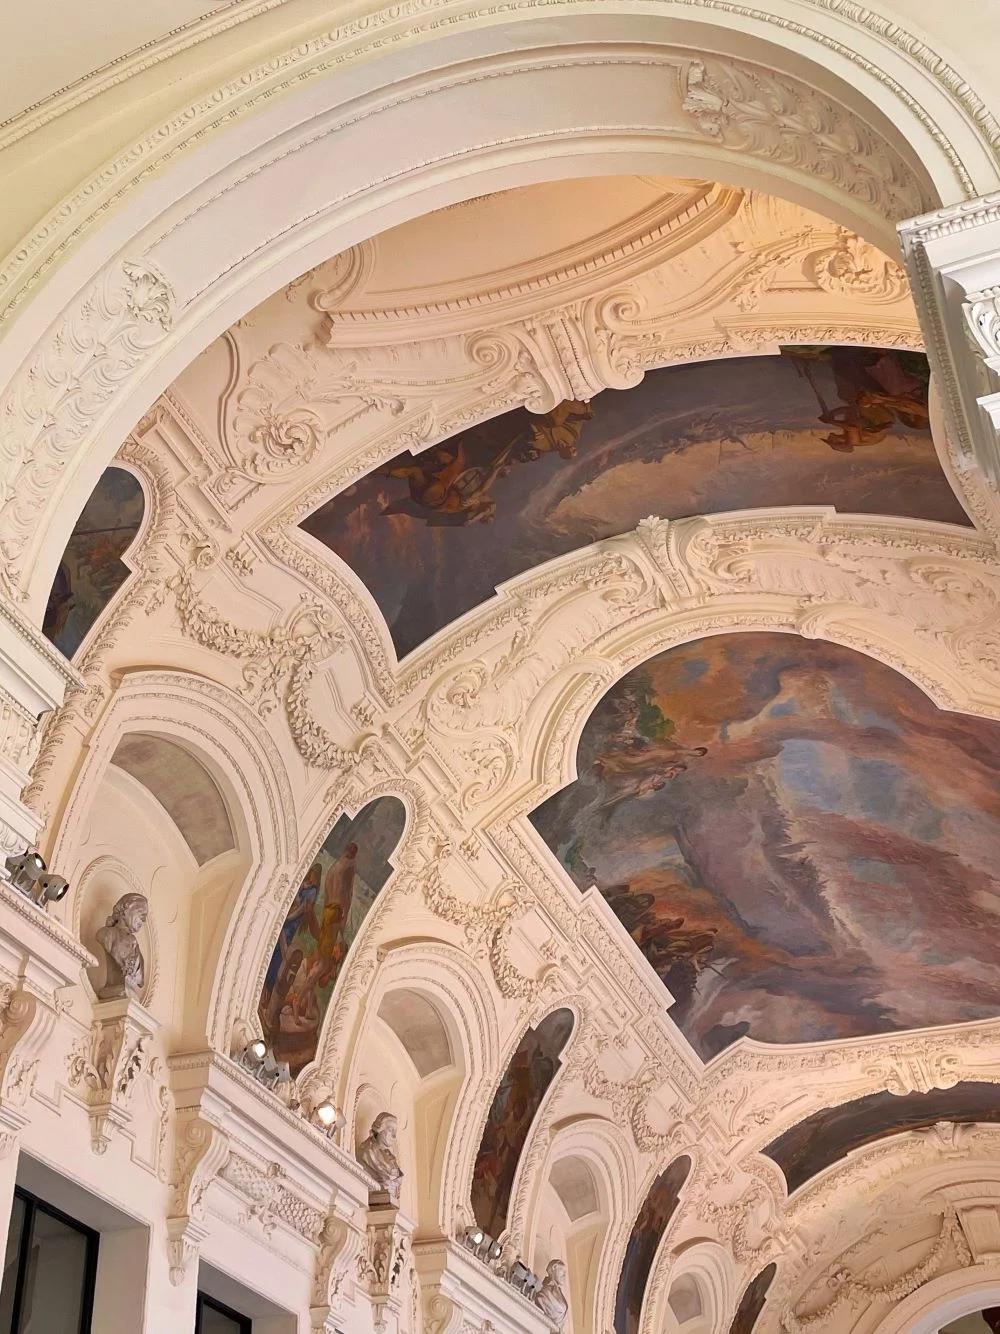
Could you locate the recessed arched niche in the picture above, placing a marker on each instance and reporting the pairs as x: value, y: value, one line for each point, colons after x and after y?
x: 527, y: 1079
x: 324, y: 919
x: 92, y: 570
x: 803, y: 845
x: 654, y: 1217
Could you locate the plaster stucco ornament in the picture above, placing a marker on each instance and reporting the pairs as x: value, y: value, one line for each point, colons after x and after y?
x: 377, y: 1154
x: 126, y: 968
x: 550, y: 1297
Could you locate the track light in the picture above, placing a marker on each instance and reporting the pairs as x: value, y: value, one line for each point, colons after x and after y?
x: 254, y: 1055
x: 329, y: 1117
x: 29, y: 875
x: 50, y: 888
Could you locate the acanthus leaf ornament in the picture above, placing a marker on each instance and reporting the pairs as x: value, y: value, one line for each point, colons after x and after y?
x: 48, y: 411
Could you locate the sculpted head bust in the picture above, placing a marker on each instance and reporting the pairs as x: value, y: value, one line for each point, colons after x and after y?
x: 126, y: 968
x: 551, y: 1297
x: 377, y: 1154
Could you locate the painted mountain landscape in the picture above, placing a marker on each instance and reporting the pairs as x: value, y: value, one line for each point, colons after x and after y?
x: 432, y: 535
x: 801, y: 843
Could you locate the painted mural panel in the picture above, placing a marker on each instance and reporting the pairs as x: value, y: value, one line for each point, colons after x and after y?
x: 656, y: 1212
x: 828, y: 1135
x: 752, y: 1301
x: 91, y: 570
x: 432, y: 535
x: 519, y: 1095
x: 801, y: 843
x: 326, y: 915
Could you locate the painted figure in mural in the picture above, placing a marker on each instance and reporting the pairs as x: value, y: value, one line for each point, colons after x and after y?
x: 657, y: 1210
x: 446, y: 484
x: 126, y: 968
x: 828, y: 866
x: 877, y: 389
x: 551, y: 1297
x: 326, y: 914
x: 377, y: 1155
x: 524, y: 1084
x: 781, y: 430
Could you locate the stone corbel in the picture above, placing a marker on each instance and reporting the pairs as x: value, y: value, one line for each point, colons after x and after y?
x: 382, y: 1260
x: 336, y: 1261
x: 200, y: 1153
x: 105, y: 1064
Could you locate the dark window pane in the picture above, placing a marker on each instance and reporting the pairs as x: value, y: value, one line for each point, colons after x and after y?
x: 214, y: 1321
x: 10, y: 1266
x: 56, y: 1278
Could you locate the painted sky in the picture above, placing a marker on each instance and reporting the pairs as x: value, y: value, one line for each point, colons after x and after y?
x: 800, y: 842
x: 433, y: 535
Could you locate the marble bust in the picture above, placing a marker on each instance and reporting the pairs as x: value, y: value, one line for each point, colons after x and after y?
x: 550, y: 1297
x: 126, y: 968
x: 377, y: 1154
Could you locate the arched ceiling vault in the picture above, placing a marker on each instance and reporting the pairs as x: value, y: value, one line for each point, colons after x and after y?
x: 626, y: 322
x: 183, y: 228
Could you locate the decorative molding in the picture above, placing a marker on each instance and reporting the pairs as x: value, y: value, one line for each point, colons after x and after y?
x: 750, y: 110
x: 49, y: 410
x: 106, y: 1064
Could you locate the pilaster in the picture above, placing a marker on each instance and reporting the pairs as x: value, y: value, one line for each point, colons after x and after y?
x: 953, y: 261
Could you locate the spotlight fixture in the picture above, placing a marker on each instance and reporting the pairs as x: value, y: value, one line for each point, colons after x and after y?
x: 254, y: 1055
x: 474, y: 1238
x: 50, y: 888
x: 272, y: 1072
x: 28, y: 874
x: 494, y: 1251
x: 328, y: 1117
x: 520, y: 1275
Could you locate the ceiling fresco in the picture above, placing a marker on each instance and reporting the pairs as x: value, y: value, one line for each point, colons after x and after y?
x: 432, y: 535
x: 801, y: 843
x: 519, y: 1095
x: 92, y: 570
x: 326, y: 915
x: 752, y: 1301
x: 832, y: 1133
x: 657, y: 1210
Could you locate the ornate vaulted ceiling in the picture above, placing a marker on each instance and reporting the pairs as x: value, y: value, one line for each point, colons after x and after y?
x: 582, y: 590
